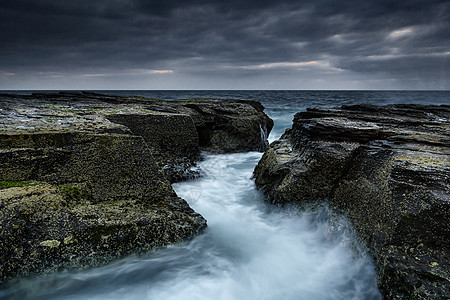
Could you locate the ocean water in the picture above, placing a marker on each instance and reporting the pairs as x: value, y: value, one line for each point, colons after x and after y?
x: 250, y: 250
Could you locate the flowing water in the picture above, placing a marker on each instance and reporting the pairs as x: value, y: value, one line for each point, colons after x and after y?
x: 250, y: 250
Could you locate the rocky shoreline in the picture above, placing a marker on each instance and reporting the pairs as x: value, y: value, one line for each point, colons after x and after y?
x: 85, y: 178
x: 388, y: 169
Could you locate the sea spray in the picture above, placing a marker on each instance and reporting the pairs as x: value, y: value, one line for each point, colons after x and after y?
x: 264, y: 137
x: 272, y: 252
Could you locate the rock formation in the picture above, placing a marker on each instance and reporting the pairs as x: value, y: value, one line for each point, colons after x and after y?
x: 175, y: 131
x: 388, y: 169
x: 82, y: 175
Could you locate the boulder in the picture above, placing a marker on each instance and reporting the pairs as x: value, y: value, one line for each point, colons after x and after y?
x: 223, y: 125
x: 111, y: 166
x: 46, y: 228
x: 227, y: 125
x: 388, y: 169
x: 99, y: 197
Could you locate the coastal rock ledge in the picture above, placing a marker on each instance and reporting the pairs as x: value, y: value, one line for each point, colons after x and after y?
x: 388, y: 169
x: 84, y: 177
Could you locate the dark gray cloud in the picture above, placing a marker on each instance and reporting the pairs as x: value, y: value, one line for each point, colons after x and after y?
x: 225, y: 44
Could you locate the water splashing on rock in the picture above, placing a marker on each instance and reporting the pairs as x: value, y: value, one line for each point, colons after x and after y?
x: 264, y: 137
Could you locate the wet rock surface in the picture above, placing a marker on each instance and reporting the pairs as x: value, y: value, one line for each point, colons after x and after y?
x: 388, y: 169
x: 85, y: 178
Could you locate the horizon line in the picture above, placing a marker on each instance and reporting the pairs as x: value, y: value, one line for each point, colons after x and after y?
x: 294, y: 90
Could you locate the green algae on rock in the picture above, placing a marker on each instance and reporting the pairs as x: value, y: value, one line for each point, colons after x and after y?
x: 11, y: 183
x: 104, y: 198
x: 113, y: 166
x: 43, y: 230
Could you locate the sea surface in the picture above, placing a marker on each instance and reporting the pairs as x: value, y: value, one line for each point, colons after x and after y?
x: 250, y: 250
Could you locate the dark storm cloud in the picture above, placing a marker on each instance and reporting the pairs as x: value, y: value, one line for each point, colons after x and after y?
x: 288, y: 41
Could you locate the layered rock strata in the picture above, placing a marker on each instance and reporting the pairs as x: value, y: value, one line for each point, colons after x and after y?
x: 84, y: 177
x: 388, y: 169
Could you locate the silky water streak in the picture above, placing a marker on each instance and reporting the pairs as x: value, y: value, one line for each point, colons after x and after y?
x: 252, y: 250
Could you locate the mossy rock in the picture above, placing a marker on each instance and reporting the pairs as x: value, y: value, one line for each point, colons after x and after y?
x: 45, y: 228
x: 11, y: 183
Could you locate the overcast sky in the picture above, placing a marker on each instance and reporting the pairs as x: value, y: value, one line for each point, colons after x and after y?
x: 224, y: 44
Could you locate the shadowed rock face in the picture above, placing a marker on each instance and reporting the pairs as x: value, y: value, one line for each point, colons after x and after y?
x: 223, y: 125
x: 388, y: 169
x: 229, y: 125
x: 171, y: 138
x: 91, y: 174
x: 111, y: 166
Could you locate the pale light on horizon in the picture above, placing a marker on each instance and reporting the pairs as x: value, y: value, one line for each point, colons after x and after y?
x: 136, y: 72
x: 285, y: 65
x: 400, y: 33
